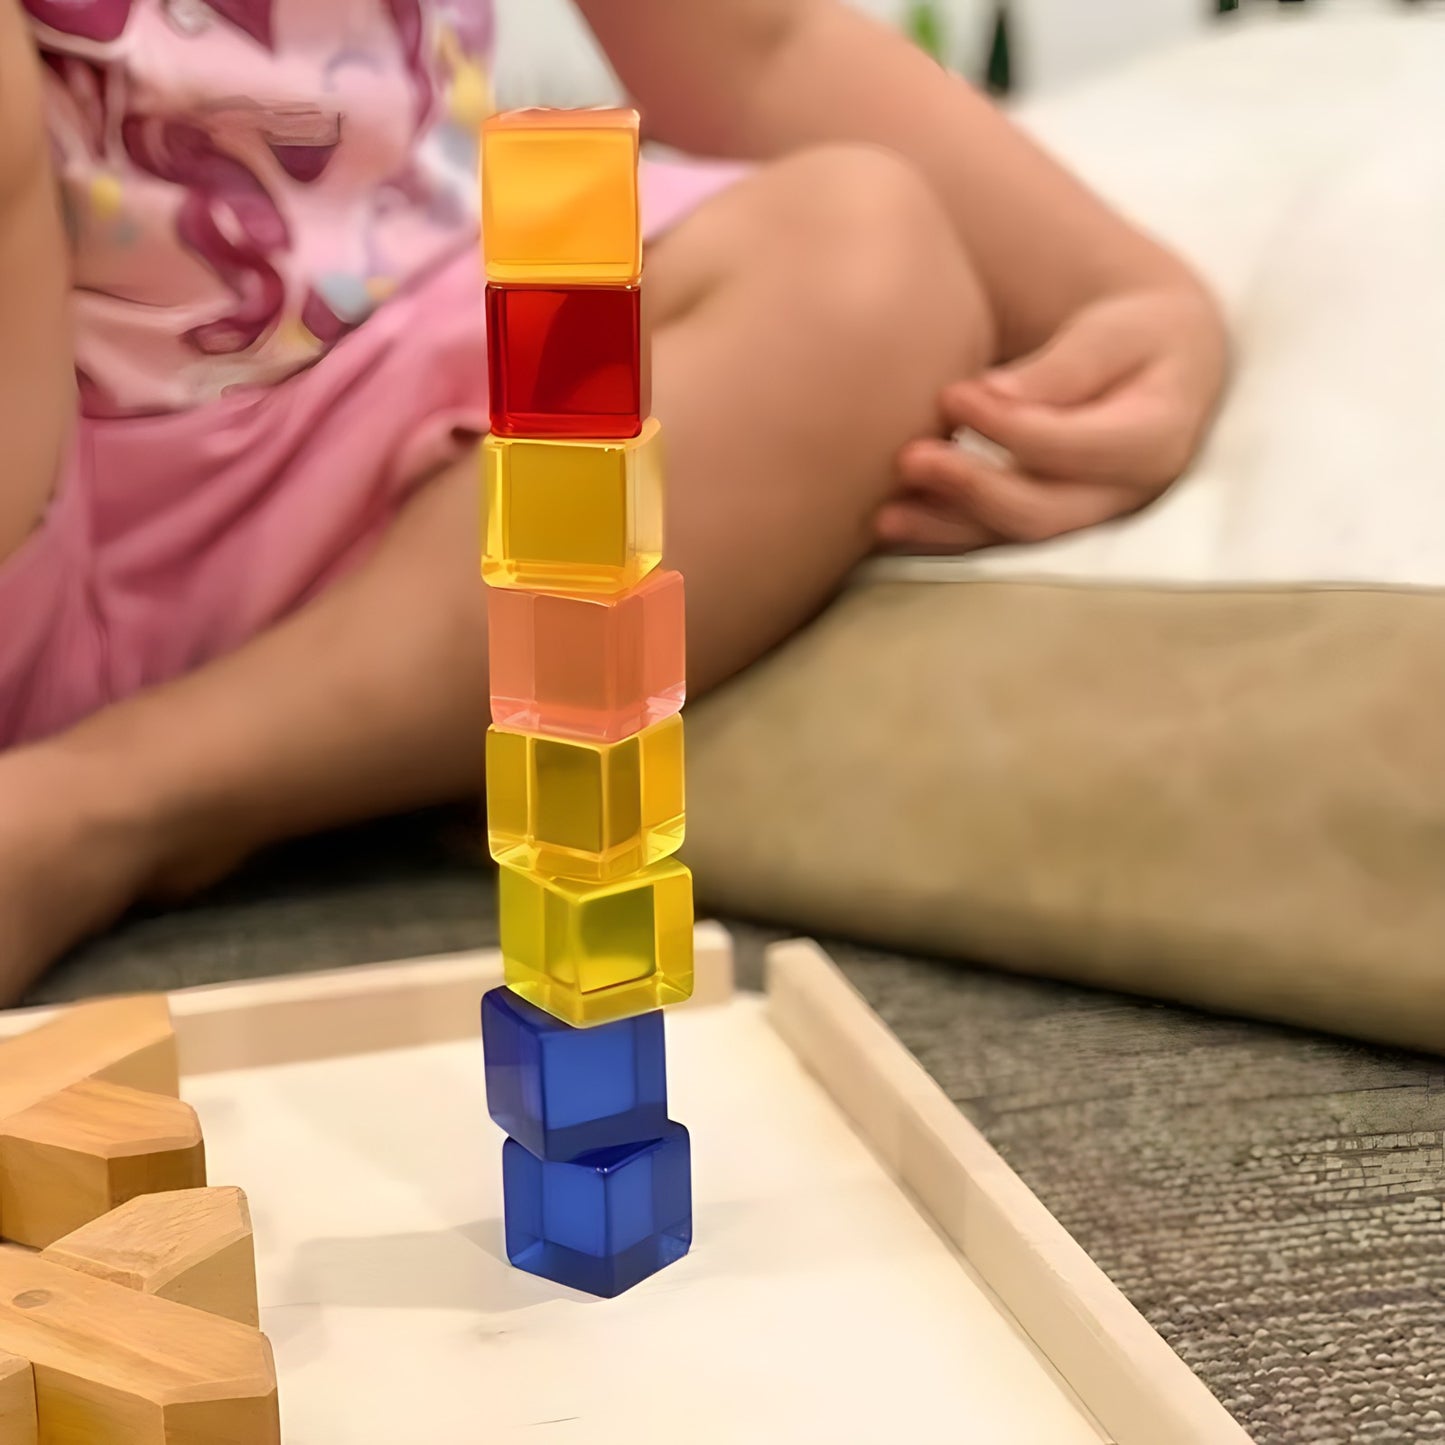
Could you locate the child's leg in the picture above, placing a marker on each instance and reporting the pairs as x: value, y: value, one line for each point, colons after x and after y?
x: 813, y: 315
x: 803, y: 325
x: 36, y: 388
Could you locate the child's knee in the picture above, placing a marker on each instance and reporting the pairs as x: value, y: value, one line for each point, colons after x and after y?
x: 873, y: 253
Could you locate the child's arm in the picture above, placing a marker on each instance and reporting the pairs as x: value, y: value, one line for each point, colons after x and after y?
x: 36, y: 377
x: 758, y: 78
x: 1117, y: 350
x: 22, y: 129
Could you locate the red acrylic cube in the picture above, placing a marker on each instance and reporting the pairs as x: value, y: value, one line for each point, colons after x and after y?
x: 597, y: 668
x: 567, y: 361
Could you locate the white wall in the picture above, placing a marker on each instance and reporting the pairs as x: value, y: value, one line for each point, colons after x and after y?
x: 546, y: 56
x: 1058, y: 42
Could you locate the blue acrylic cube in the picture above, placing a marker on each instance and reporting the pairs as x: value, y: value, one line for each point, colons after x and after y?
x: 561, y: 1091
x: 605, y: 1221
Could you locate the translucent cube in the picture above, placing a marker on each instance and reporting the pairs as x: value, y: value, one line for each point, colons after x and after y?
x: 589, y: 811
x: 604, y: 1222
x: 567, y: 361
x: 560, y: 197
x: 589, y: 953
x: 573, y: 516
x: 600, y: 668
x: 560, y: 1091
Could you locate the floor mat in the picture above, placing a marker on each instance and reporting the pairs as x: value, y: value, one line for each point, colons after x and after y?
x: 1271, y: 1200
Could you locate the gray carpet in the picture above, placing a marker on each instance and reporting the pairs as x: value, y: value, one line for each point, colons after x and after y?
x: 1270, y: 1200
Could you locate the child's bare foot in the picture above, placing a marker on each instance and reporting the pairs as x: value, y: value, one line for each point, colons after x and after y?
x: 73, y: 858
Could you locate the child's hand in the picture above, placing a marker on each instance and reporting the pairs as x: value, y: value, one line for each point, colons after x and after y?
x: 1095, y: 425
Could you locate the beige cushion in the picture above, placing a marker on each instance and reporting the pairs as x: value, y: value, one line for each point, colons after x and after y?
x: 1232, y: 801
x: 1200, y: 755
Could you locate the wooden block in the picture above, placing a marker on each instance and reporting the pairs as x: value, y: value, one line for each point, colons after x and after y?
x: 126, y: 1041
x: 194, y: 1247
x: 80, y: 1153
x: 17, y: 1402
x: 113, y: 1367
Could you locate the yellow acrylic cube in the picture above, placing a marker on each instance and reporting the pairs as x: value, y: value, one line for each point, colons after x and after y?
x: 573, y: 516
x: 590, y: 811
x: 560, y: 197
x: 592, y: 953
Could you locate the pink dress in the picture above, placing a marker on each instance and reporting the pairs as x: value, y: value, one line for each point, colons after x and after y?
x: 279, y: 334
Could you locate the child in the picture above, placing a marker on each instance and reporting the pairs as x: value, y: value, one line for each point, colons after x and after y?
x: 242, y: 372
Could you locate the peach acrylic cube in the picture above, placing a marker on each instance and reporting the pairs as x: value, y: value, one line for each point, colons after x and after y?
x: 597, y: 668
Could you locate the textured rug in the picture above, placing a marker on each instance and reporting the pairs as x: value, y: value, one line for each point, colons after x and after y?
x: 1271, y: 1200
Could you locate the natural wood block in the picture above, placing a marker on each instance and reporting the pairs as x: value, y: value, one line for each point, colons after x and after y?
x: 127, y: 1041
x: 17, y: 1402
x: 141, y: 1329
x: 194, y: 1247
x: 80, y: 1153
x: 113, y: 1367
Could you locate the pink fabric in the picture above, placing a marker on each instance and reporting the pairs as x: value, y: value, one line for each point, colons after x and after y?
x: 248, y: 180
x: 176, y: 537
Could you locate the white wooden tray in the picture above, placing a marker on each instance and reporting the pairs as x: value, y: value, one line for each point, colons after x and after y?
x: 899, y: 1285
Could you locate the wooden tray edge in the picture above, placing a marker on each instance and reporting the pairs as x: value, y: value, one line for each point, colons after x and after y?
x: 369, y: 1008
x: 1125, y: 1374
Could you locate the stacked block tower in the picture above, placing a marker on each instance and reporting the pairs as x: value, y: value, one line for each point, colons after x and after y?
x: 584, y: 755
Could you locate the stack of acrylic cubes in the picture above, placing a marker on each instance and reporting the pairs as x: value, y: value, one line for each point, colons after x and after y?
x: 584, y: 757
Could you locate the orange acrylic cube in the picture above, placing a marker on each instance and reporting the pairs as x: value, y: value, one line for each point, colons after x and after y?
x: 560, y: 197
x: 595, y: 668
